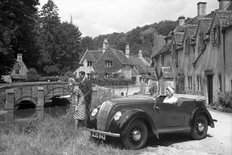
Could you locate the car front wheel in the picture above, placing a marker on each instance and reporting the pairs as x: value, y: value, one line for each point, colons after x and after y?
x: 135, y: 135
x: 199, y: 128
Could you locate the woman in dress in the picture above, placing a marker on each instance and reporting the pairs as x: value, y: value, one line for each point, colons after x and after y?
x: 78, y: 103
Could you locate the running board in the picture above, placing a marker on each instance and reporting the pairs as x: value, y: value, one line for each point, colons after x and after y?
x: 174, y: 130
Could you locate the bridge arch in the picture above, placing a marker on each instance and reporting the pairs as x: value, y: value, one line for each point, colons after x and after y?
x: 52, y: 99
x: 26, y: 102
x: 50, y: 93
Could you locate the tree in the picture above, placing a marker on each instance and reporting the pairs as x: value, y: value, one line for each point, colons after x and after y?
x: 17, y: 32
x: 49, y: 22
x: 69, y: 39
x: 59, y: 42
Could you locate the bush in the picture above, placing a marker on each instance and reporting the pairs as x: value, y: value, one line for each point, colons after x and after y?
x: 180, y: 82
x: 32, y: 75
x: 225, y: 99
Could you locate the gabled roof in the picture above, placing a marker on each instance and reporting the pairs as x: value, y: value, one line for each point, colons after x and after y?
x: 121, y: 56
x: 18, y: 77
x: 167, y: 72
x: 204, y: 24
x: 165, y: 48
x: 225, y: 17
x: 159, y: 42
x: 91, y: 55
x: 229, y: 6
x: 139, y: 64
x: 178, y: 37
x: 180, y: 28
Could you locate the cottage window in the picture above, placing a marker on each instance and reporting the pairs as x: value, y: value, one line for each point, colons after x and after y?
x: 89, y: 63
x: 17, y: 71
x: 220, y: 82
x: 107, y: 76
x: 198, y: 83
x: 162, y: 60
x: 109, y: 63
x: 187, y: 46
x: 88, y: 75
x: 190, y: 82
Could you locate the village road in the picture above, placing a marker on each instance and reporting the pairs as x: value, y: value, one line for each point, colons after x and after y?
x: 218, y: 141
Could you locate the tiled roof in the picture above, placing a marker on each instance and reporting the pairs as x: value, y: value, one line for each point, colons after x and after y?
x: 192, y: 29
x: 159, y: 42
x: 121, y: 56
x: 225, y: 17
x: 178, y: 36
x: 19, y: 77
x: 139, y: 64
x: 148, y: 59
x: 180, y: 28
x: 204, y: 24
x: 91, y: 55
x: 17, y: 66
x: 166, y: 48
x: 229, y: 7
x: 167, y: 72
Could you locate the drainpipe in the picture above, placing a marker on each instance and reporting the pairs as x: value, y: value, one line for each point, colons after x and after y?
x: 224, y: 59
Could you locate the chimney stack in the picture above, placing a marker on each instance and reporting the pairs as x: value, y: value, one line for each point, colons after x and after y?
x: 201, y: 9
x: 181, y: 20
x: 127, y: 51
x: 19, y: 57
x: 223, y: 4
x: 105, y: 45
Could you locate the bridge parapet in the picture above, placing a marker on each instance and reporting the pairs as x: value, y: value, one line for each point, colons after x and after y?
x: 38, y: 93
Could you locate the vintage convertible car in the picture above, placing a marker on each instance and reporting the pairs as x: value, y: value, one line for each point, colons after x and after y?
x: 134, y: 118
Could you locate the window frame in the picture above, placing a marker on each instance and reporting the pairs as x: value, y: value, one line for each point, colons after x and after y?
x: 190, y: 83
x: 89, y: 63
x: 109, y: 63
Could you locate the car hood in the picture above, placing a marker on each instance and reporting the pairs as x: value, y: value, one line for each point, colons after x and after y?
x: 134, y: 99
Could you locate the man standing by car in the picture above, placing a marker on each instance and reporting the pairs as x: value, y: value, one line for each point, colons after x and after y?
x: 86, y: 88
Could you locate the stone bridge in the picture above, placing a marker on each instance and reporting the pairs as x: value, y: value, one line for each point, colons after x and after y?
x: 38, y: 93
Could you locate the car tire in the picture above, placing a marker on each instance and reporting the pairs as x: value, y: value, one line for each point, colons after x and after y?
x: 135, y: 135
x: 199, y: 127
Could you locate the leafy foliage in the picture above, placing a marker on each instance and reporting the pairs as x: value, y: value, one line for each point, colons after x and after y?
x: 32, y: 75
x: 225, y: 99
x: 180, y: 82
x: 17, y: 32
x: 59, y: 42
x: 139, y: 38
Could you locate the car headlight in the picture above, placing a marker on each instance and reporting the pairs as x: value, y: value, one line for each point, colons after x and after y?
x: 117, y: 115
x: 94, y: 112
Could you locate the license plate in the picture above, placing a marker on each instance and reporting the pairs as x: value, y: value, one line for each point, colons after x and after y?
x: 98, y: 135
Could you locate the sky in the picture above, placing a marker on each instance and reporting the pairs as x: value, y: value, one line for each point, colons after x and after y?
x: 96, y: 17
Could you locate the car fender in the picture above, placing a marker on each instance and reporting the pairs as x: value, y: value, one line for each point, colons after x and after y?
x: 130, y: 115
x: 200, y: 110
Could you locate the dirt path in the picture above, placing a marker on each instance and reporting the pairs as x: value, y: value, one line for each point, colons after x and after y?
x: 218, y: 141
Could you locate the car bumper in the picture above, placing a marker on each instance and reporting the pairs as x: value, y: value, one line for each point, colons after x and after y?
x: 104, y: 133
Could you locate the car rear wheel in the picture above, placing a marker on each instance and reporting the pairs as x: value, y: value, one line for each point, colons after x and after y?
x: 135, y: 135
x: 199, y: 128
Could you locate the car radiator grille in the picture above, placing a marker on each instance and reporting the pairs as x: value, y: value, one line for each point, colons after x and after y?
x: 103, y: 115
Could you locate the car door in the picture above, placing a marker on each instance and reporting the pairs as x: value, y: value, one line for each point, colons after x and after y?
x: 168, y: 115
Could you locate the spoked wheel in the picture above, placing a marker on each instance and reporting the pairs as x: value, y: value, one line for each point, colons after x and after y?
x: 135, y: 135
x: 199, y: 128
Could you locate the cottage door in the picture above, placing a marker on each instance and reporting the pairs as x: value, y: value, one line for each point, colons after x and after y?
x: 210, y: 88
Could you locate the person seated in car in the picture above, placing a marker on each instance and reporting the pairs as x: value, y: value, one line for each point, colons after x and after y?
x: 169, y: 96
